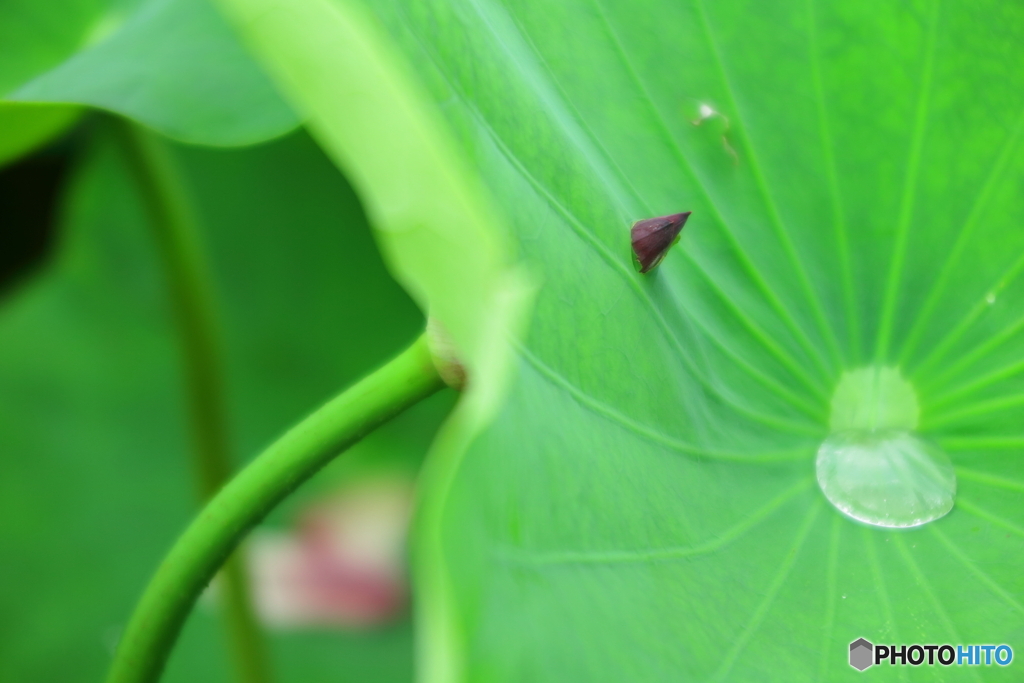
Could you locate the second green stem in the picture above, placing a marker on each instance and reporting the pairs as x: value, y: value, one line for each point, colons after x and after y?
x: 170, y: 211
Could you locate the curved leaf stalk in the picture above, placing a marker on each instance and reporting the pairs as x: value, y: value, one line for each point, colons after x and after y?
x: 252, y: 493
x: 191, y: 292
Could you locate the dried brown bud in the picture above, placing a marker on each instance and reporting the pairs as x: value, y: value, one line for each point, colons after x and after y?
x: 653, y: 237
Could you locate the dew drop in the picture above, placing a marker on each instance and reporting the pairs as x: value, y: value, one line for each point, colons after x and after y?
x: 889, y: 478
x: 874, y: 466
x: 990, y: 298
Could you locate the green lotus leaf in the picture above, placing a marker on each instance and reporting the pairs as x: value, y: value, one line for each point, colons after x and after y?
x: 645, y: 506
x: 174, y: 65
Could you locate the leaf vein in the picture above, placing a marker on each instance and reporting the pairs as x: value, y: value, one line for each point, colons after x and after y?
x: 831, y: 174
x: 969, y: 507
x: 740, y: 253
x: 829, y: 626
x: 827, y: 333
x: 635, y: 556
x: 989, y: 479
x: 774, y: 589
x: 972, y: 222
x: 909, y: 190
x: 653, y: 434
x: 973, y: 567
x: 929, y: 593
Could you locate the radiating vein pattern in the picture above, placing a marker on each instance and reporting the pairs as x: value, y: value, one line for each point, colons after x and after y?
x: 771, y: 595
x: 853, y: 170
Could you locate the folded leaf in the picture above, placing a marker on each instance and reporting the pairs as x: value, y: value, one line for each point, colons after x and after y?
x: 173, y: 65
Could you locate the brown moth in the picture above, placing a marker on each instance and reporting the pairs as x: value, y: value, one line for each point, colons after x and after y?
x: 653, y: 237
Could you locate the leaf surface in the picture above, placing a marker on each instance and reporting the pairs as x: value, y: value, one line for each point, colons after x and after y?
x: 644, y: 508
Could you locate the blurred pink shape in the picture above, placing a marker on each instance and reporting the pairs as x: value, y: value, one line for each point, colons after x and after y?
x: 343, y: 566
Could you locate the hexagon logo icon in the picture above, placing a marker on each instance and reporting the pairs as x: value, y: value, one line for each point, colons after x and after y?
x: 860, y: 654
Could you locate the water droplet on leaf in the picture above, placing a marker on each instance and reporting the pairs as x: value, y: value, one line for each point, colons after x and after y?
x: 889, y: 477
x: 873, y: 466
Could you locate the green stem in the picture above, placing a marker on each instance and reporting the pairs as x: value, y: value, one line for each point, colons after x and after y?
x: 191, y: 292
x: 247, y: 498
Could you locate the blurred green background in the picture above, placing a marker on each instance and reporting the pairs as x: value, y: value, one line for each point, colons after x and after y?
x: 95, y: 478
x: 96, y: 475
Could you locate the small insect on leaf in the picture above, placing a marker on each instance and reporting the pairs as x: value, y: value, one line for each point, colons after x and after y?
x: 653, y: 237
